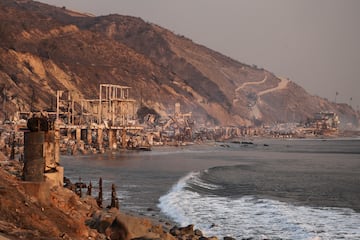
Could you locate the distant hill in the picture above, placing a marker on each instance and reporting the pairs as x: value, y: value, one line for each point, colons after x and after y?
x: 44, y: 49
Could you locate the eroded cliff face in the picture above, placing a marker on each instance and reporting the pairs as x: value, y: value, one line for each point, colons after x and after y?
x: 45, y: 49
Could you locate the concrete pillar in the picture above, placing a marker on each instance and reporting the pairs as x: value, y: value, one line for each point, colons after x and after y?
x: 123, y: 138
x: 112, y: 139
x: 49, y: 150
x: 100, y: 137
x: 34, y: 162
x: 78, y: 135
x: 57, y: 144
x: 69, y: 133
x: 89, y: 136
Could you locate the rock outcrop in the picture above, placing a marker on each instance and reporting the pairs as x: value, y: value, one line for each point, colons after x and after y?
x: 60, y: 214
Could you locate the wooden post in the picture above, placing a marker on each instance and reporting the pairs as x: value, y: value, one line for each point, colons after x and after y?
x: 113, y: 196
x: 89, y: 190
x: 99, y: 200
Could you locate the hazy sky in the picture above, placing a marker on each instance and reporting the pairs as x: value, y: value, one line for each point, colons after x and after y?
x: 315, y: 43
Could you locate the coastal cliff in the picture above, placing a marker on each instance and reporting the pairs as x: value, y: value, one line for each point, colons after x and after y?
x: 44, y: 49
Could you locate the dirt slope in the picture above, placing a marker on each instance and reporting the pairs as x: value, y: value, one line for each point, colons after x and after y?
x: 44, y: 49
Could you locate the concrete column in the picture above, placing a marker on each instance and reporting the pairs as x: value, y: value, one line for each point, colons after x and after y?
x: 57, y: 144
x: 49, y: 150
x: 112, y: 139
x: 89, y: 136
x: 34, y: 162
x: 78, y: 135
x: 115, y: 134
x: 123, y: 138
x: 69, y: 133
x: 100, y: 137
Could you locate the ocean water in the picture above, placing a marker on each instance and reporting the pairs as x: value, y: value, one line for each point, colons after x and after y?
x: 271, y: 189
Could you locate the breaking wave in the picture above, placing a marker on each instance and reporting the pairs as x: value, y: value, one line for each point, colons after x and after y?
x: 191, y: 201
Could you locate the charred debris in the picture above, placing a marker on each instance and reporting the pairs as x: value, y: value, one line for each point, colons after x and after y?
x: 111, y: 122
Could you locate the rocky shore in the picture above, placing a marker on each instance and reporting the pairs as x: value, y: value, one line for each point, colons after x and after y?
x: 59, y: 213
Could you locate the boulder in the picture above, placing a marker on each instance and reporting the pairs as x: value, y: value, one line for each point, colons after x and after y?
x: 188, y: 230
x: 175, y: 231
x: 101, y: 220
x: 117, y: 231
x: 198, y: 233
x: 229, y: 238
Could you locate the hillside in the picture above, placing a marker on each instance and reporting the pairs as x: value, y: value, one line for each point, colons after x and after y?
x: 44, y: 49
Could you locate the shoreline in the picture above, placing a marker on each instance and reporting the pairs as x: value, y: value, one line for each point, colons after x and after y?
x: 64, y: 215
x: 139, y: 218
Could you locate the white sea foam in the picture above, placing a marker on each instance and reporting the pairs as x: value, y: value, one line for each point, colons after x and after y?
x: 257, y: 218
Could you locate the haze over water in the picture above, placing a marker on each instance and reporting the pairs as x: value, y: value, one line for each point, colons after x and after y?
x: 275, y: 189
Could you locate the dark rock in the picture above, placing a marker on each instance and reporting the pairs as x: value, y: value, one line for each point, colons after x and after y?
x: 213, y: 225
x: 198, y: 232
x: 175, y: 231
x: 117, y: 230
x: 229, y: 238
x: 188, y: 230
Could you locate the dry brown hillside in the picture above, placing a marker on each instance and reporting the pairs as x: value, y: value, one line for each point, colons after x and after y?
x: 44, y: 49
